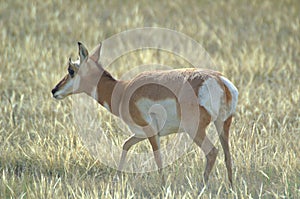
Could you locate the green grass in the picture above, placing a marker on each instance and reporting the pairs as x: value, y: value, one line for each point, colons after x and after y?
x: 256, y: 44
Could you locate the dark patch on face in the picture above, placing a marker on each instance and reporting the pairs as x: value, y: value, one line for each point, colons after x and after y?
x: 60, y: 84
x: 71, y: 72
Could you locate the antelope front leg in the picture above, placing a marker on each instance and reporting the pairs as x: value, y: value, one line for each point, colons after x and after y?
x: 155, y: 143
x: 126, y: 146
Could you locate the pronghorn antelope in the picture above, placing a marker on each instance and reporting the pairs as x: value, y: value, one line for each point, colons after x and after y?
x: 191, y: 99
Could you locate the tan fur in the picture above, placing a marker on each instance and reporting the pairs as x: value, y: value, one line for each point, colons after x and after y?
x: 182, y: 85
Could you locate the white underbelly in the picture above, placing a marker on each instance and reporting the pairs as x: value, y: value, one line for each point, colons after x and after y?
x: 160, y: 115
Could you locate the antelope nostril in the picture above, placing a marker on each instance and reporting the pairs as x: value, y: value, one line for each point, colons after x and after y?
x: 53, y: 91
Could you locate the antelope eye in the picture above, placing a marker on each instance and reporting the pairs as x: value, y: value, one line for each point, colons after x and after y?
x: 71, y: 72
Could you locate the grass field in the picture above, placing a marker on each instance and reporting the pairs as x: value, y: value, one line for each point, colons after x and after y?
x: 256, y: 44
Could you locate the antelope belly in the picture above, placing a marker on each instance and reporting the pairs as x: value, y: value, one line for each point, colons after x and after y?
x: 160, y: 114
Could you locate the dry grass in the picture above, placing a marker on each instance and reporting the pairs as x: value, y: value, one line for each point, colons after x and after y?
x: 255, y: 43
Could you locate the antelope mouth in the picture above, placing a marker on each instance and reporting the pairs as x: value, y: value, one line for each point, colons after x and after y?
x: 58, y: 97
x: 55, y: 95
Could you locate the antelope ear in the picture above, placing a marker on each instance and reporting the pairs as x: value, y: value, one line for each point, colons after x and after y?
x: 96, y: 54
x: 83, y: 52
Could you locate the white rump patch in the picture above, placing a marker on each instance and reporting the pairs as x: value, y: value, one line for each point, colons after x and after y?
x: 234, y: 94
x: 210, y: 95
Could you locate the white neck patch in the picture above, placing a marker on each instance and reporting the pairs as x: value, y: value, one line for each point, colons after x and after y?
x: 105, y: 104
x: 94, y: 93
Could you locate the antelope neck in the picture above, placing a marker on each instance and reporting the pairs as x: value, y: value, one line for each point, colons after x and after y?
x: 108, y: 92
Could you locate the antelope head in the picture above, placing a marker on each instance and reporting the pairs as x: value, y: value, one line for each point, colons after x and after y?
x: 82, y: 76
